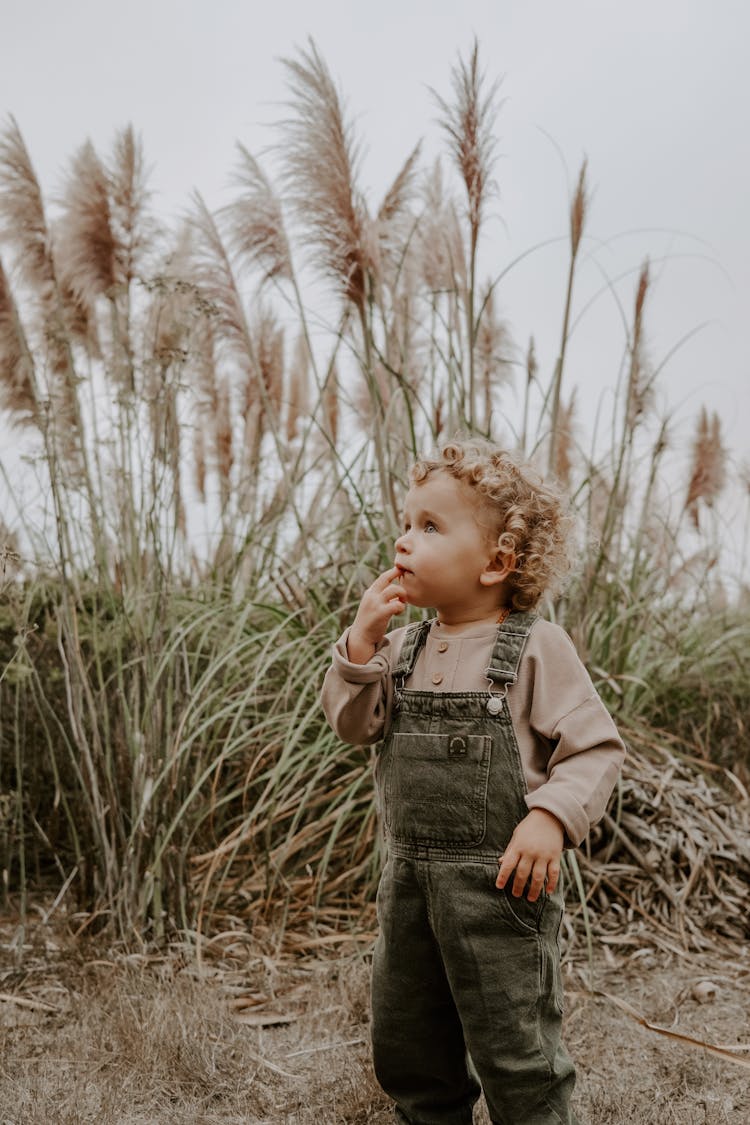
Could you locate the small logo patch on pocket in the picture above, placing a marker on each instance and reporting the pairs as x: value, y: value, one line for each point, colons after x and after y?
x: 456, y: 746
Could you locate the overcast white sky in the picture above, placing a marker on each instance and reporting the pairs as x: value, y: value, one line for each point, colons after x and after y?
x: 655, y: 92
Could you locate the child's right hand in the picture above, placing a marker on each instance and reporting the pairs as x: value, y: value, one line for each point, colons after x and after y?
x: 380, y: 602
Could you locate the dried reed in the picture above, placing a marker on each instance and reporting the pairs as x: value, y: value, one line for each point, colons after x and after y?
x: 331, y: 406
x: 639, y: 394
x: 256, y: 222
x: 24, y: 227
x: 199, y: 460
x: 494, y: 353
x: 16, y: 364
x: 578, y: 214
x: 133, y: 226
x: 223, y: 438
x: 298, y: 403
x: 87, y: 245
x: 708, y: 468
x: 269, y: 351
x: 565, y: 442
x: 320, y: 162
x: 443, y: 258
x: 22, y: 215
x: 469, y: 122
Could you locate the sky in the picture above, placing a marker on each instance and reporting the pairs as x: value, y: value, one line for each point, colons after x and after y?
x: 654, y: 93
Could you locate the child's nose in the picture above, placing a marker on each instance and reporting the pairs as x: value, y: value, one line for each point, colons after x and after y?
x: 402, y: 543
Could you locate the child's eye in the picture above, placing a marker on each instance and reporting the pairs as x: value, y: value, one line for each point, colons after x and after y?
x: 430, y: 526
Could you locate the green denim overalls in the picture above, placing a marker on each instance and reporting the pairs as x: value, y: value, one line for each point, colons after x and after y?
x: 460, y: 966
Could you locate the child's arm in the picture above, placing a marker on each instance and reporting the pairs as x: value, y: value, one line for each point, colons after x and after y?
x: 357, y: 690
x: 579, y: 750
x: 534, y: 853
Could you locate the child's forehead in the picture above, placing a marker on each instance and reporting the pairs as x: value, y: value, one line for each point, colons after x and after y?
x: 442, y: 493
x: 439, y: 489
x: 436, y: 483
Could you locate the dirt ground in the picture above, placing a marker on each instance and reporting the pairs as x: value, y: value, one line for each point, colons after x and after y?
x: 87, y: 1035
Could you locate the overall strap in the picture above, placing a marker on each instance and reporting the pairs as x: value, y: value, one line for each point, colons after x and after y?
x: 416, y: 635
x: 509, y: 645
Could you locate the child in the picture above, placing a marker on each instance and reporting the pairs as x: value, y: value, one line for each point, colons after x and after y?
x: 498, y: 753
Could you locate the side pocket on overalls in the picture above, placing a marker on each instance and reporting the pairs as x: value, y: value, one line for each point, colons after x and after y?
x: 518, y: 913
x: 551, y: 924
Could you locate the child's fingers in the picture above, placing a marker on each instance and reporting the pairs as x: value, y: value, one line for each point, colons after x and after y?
x: 507, y: 865
x: 553, y: 876
x: 538, y: 874
x: 384, y: 580
x: 521, y: 878
x: 381, y: 593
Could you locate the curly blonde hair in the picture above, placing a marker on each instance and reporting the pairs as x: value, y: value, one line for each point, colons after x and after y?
x: 529, y: 518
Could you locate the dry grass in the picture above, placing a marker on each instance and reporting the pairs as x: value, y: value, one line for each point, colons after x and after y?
x: 91, y: 1036
x: 670, y: 867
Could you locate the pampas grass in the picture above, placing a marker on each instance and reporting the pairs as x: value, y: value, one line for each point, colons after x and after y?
x: 708, y: 467
x: 320, y: 166
x: 469, y: 121
x: 237, y: 480
x: 87, y: 244
x: 24, y: 228
x: 22, y: 215
x: 17, y: 390
x: 256, y: 223
x: 578, y: 214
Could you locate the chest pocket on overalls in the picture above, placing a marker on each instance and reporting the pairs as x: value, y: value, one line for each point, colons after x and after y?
x: 435, y: 787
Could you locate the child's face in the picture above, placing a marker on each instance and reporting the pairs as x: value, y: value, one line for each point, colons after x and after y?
x: 446, y: 556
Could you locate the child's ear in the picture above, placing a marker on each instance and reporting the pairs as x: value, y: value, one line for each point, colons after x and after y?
x: 498, y: 569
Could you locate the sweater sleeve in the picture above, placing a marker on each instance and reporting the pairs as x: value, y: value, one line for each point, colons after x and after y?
x: 357, y: 698
x: 585, y: 750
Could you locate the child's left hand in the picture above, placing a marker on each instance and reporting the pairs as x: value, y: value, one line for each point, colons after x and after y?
x: 534, y: 853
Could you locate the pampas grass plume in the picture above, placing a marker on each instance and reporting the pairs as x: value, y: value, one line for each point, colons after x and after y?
x: 86, y: 244
x: 708, y: 468
x: 256, y: 223
x: 299, y: 388
x: 320, y: 163
x: 469, y: 122
x: 22, y: 215
x: 578, y: 210
x: 17, y: 392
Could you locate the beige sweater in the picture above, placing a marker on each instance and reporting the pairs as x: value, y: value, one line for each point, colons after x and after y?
x: 570, y: 750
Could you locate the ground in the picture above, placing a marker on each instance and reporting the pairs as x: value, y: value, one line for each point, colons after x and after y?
x: 88, y: 1035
